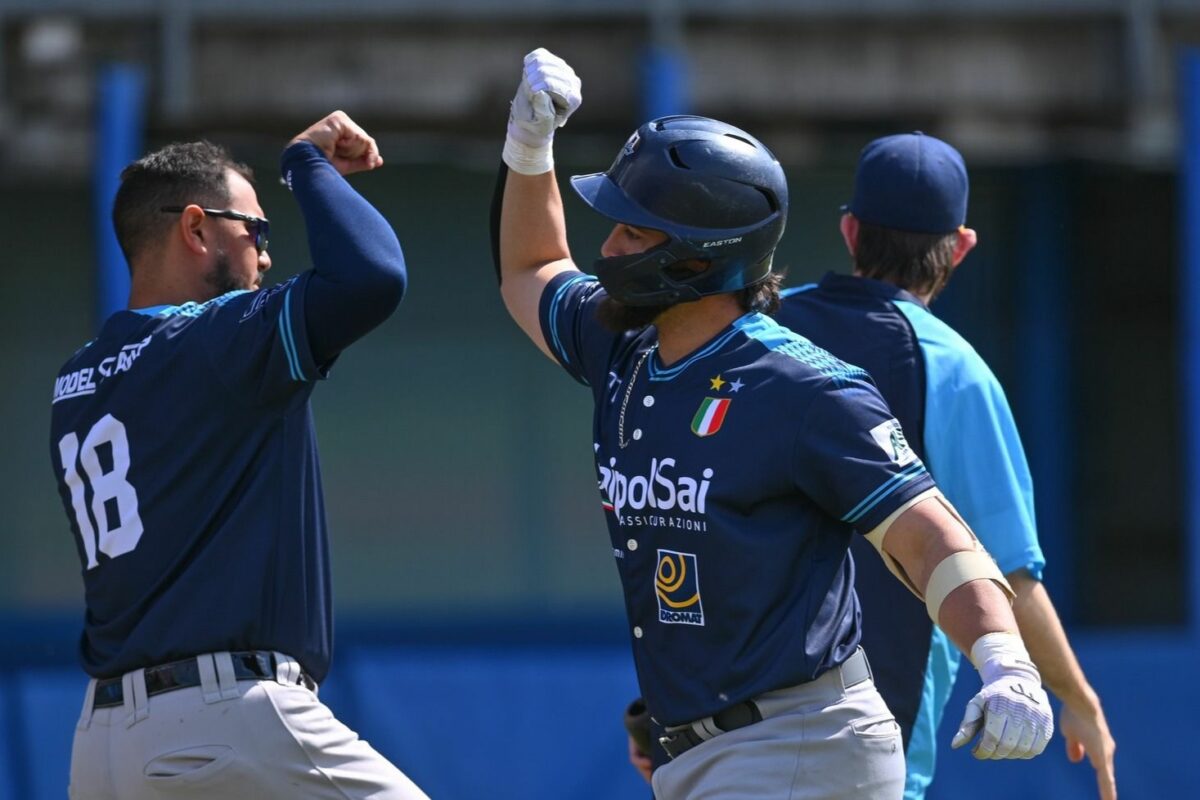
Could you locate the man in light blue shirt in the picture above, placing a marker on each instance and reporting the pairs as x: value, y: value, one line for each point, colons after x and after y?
x: 904, y: 229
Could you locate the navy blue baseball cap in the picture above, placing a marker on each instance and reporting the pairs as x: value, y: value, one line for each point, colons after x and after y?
x: 910, y: 182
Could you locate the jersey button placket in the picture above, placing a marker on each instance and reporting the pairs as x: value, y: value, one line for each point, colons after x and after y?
x: 647, y: 402
x: 625, y: 410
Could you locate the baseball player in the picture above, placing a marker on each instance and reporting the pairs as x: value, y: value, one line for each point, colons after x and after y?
x: 183, y: 442
x: 732, y: 457
x: 904, y: 229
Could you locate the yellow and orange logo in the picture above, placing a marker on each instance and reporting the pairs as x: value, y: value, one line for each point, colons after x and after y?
x: 677, y: 584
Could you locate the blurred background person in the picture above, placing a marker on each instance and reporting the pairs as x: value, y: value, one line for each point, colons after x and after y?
x: 905, y: 230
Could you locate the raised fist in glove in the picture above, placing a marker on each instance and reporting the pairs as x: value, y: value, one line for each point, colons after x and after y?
x: 1012, y: 709
x: 548, y: 94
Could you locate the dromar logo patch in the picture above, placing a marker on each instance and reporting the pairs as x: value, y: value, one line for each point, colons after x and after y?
x: 677, y: 585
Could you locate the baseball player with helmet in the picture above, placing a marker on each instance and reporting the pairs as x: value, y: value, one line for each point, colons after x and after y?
x: 905, y: 231
x: 734, y: 458
x: 183, y: 442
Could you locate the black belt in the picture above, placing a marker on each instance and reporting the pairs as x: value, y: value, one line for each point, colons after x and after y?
x: 853, y: 670
x: 248, y: 665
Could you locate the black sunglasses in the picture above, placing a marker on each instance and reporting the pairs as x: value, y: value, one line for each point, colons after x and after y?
x: 259, y: 227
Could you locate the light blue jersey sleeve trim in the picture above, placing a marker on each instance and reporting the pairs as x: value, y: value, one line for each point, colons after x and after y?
x: 884, y: 491
x: 555, y: 341
x: 972, y: 447
x: 288, y: 339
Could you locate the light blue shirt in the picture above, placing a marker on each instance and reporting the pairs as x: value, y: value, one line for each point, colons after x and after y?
x: 973, y: 450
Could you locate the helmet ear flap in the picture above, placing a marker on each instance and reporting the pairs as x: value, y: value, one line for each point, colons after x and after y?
x: 687, y: 269
x: 644, y: 279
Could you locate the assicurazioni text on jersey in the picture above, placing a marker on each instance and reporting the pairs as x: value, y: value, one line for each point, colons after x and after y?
x: 731, y: 482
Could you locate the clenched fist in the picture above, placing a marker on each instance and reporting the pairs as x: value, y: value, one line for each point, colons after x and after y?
x: 1011, y: 708
x: 548, y: 94
x: 344, y: 143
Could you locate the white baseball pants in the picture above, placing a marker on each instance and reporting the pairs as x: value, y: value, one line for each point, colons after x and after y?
x: 817, y: 741
x: 226, y: 738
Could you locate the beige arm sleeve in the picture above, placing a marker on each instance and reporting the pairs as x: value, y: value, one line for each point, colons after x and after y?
x: 951, y: 572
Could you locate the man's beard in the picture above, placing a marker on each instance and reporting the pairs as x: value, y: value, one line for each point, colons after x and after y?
x: 221, y: 279
x: 619, y: 318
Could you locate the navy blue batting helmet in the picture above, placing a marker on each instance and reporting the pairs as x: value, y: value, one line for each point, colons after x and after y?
x: 716, y: 191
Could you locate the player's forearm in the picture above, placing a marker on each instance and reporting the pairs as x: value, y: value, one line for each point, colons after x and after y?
x: 360, y: 275
x: 973, y: 610
x: 922, y: 538
x: 1047, y: 643
x: 968, y: 597
x: 533, y: 246
x: 533, y: 231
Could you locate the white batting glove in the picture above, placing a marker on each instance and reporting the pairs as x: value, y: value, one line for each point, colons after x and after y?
x: 1011, y: 708
x: 550, y: 91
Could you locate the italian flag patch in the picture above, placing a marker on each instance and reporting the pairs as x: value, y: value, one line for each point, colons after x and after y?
x: 709, y: 417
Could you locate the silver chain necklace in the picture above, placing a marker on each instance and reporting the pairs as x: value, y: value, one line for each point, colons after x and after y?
x: 621, y: 441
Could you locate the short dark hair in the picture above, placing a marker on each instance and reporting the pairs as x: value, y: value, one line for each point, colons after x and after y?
x: 918, y: 262
x: 763, y: 296
x: 176, y: 175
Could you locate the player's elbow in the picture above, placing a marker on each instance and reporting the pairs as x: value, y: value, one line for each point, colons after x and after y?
x: 522, y: 305
x: 509, y: 295
x: 391, y: 281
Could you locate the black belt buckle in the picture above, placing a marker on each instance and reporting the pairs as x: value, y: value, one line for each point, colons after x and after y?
x: 728, y: 719
x: 677, y: 743
x: 253, y: 664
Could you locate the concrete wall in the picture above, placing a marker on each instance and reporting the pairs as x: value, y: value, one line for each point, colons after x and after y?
x: 1054, y: 78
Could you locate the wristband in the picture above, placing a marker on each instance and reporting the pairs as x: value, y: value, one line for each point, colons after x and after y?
x: 1002, y: 651
x: 528, y: 160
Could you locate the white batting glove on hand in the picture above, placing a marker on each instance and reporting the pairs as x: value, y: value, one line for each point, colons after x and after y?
x: 550, y: 91
x: 1011, y: 708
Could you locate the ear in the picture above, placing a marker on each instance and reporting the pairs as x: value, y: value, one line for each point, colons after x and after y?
x: 967, y: 239
x: 191, y: 219
x: 849, y: 229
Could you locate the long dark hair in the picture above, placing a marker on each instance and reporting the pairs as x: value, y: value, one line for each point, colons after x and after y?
x: 918, y: 262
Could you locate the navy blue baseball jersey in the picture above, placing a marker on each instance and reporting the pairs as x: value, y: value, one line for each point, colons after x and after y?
x: 958, y: 421
x: 183, y: 442
x: 198, y: 531
x: 731, y: 481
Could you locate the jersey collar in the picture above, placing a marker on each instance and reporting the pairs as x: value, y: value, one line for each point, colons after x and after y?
x: 853, y: 284
x: 190, y: 308
x: 657, y: 372
x: 152, y: 311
